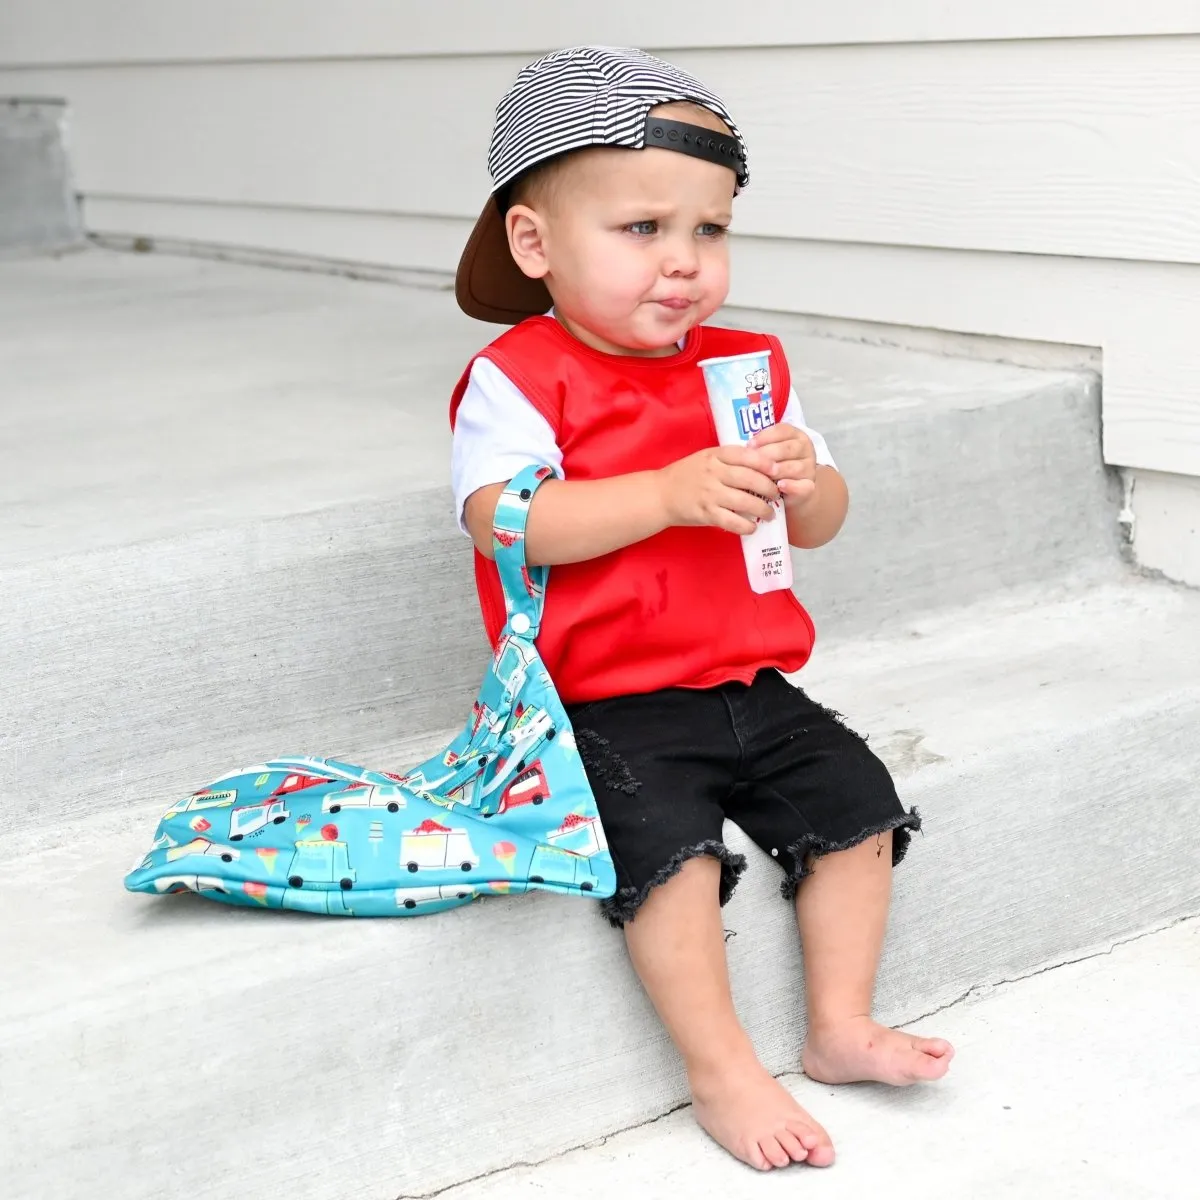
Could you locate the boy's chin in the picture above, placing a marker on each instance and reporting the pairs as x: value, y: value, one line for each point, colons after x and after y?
x: 644, y: 334
x: 664, y: 327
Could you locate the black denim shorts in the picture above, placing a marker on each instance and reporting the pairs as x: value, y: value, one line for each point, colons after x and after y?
x: 668, y: 768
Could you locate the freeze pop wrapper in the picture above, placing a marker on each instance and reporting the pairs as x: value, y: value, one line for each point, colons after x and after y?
x: 739, y: 392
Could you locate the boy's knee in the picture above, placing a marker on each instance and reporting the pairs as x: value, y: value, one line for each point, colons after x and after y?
x: 695, y: 877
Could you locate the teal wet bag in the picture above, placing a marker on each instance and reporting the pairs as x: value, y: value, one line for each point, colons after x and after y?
x: 505, y: 808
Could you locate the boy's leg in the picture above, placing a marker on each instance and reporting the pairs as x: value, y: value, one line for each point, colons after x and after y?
x: 677, y: 943
x: 842, y: 909
x: 825, y: 808
x: 661, y: 766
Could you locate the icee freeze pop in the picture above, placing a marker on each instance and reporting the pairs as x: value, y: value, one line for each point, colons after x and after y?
x: 739, y: 391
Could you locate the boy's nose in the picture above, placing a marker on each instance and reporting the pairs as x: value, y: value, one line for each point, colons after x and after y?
x: 681, y: 259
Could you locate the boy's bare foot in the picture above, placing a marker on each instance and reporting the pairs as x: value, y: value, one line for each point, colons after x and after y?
x: 755, y: 1118
x: 859, y: 1049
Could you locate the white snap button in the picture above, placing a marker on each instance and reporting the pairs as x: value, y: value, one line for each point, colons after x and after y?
x: 774, y: 852
x: 520, y: 623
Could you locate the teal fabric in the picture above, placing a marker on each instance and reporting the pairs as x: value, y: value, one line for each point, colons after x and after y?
x: 505, y: 808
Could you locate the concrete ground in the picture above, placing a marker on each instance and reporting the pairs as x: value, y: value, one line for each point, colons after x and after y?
x: 225, y: 533
x: 1078, y: 1082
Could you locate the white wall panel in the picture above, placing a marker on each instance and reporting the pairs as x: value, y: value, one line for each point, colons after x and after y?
x: 379, y: 136
x: 1166, y: 532
x: 121, y: 31
x: 1143, y: 316
x: 1089, y: 149
x: 417, y: 243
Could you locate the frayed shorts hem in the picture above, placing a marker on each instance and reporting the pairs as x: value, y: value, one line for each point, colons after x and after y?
x: 623, y: 906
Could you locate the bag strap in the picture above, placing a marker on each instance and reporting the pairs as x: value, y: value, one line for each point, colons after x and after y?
x: 524, y: 586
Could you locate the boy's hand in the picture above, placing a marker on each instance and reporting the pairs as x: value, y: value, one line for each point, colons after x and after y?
x: 793, y: 461
x: 726, y: 487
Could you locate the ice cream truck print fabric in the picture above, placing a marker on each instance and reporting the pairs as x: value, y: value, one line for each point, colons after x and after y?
x: 250, y: 818
x: 432, y: 846
x: 366, y: 795
x: 502, y: 810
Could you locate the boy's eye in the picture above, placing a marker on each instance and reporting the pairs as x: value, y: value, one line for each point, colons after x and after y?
x: 711, y: 230
x: 643, y: 228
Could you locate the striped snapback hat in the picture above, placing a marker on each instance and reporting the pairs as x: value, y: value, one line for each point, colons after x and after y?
x: 570, y: 100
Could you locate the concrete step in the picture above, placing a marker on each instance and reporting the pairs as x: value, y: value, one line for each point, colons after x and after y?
x: 39, y: 211
x: 229, y: 531
x: 1048, y: 739
x: 1028, y: 1109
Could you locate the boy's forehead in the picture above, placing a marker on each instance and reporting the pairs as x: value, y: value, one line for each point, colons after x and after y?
x: 613, y: 173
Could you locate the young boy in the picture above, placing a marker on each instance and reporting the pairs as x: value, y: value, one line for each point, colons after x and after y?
x: 604, y: 243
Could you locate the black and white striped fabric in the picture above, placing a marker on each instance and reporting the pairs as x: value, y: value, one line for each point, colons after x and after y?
x: 588, y: 96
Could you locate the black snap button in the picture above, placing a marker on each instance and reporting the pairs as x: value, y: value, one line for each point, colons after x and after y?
x: 674, y: 135
x: 525, y: 493
x: 658, y: 131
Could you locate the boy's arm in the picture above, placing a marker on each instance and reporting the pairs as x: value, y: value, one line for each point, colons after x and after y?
x: 574, y: 521
x: 817, y: 519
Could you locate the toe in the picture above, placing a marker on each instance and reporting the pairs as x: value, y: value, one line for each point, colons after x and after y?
x: 815, y: 1141
x: 923, y: 1066
x: 821, y: 1155
x: 796, y: 1149
x: 937, y: 1047
x: 774, y: 1153
x: 755, y: 1157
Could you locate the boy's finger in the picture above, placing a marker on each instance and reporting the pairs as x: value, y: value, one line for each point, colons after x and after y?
x: 747, y: 457
x: 732, y: 523
x: 755, y: 482
x: 795, y: 468
x: 773, y: 433
x: 791, y: 447
x: 747, y: 504
x: 798, y: 489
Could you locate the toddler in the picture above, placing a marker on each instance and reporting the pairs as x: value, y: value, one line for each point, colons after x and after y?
x: 605, y: 246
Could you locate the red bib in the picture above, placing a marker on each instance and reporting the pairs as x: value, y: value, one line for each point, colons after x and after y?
x: 675, y: 610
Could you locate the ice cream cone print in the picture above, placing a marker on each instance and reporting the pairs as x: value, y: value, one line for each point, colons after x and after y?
x: 200, y: 824
x: 302, y: 823
x: 501, y: 887
x: 268, y: 857
x: 256, y: 891
x: 506, y: 855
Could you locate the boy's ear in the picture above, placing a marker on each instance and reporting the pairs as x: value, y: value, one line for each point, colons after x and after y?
x: 527, y: 240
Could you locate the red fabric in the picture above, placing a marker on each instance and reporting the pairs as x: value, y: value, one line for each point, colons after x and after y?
x: 675, y: 610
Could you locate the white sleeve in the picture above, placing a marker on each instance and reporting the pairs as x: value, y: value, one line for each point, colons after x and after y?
x: 497, y: 431
x: 793, y: 414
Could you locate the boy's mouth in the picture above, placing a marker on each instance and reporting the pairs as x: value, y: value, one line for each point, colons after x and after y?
x: 675, y: 303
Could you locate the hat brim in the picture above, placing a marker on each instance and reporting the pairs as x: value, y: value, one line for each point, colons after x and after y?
x: 489, y: 285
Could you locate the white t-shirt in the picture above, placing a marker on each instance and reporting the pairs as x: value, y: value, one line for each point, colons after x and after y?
x: 498, y: 431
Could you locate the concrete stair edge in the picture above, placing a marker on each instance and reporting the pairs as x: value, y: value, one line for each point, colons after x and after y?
x: 980, y: 900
